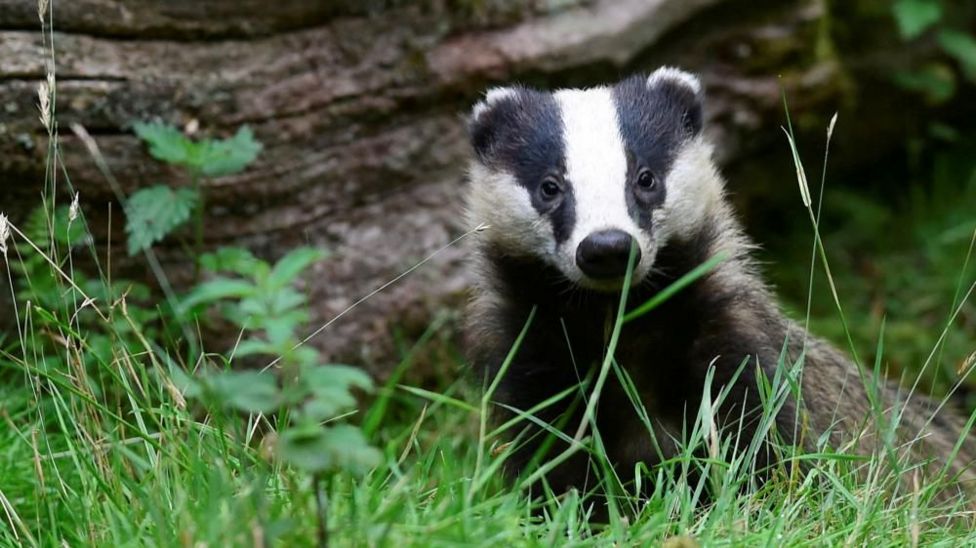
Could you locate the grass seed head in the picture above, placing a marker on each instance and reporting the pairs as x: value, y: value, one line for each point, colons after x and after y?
x: 966, y: 366
x: 44, y: 103
x: 4, y: 234
x: 73, y: 210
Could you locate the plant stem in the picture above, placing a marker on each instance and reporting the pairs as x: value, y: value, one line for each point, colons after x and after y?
x: 322, y: 515
x: 198, y: 218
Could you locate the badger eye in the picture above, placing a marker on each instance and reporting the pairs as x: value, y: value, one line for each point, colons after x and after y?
x: 646, y: 180
x: 550, y: 188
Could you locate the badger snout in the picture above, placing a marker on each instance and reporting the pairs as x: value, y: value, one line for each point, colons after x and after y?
x: 603, y: 255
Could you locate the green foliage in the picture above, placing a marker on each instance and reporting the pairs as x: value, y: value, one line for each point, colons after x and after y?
x: 326, y: 449
x: 43, y: 228
x: 257, y: 297
x: 166, y: 143
x: 260, y: 299
x: 902, y: 264
x: 101, y: 371
x: 325, y: 391
x: 320, y: 394
x: 915, y: 16
x: 247, y: 391
x: 208, y: 157
x: 935, y: 81
x: 951, y: 26
x: 962, y: 47
x: 228, y: 156
x: 36, y: 281
x: 54, y: 300
x: 154, y: 212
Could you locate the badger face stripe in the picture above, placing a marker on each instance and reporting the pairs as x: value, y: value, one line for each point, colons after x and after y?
x: 654, y: 122
x: 596, y: 162
x: 520, y: 132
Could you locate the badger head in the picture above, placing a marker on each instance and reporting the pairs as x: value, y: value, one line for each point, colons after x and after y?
x: 577, y: 177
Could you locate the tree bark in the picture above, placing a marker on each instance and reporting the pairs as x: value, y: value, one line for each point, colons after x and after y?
x: 360, y: 107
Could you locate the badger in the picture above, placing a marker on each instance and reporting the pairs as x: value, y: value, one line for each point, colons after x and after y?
x: 576, y: 192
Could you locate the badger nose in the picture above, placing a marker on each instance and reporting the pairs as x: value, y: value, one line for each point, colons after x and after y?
x: 604, y: 254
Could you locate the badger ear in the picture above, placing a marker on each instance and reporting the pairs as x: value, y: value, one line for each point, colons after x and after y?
x: 683, y: 89
x: 488, y: 115
x: 675, y: 77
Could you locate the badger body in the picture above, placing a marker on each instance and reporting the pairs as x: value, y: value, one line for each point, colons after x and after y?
x: 569, y: 186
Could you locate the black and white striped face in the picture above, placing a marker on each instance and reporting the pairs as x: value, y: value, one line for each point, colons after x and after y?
x: 577, y: 176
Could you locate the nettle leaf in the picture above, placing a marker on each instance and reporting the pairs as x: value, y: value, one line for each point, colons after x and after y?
x: 233, y: 259
x: 217, y: 289
x: 281, y: 328
x: 915, y: 16
x: 289, y: 267
x: 153, y: 212
x: 285, y: 300
x: 249, y: 391
x: 227, y: 156
x: 251, y: 347
x: 962, y: 47
x: 209, y: 157
x: 166, y: 143
x: 327, y: 377
x: 321, y: 449
x: 326, y: 409
x: 304, y: 355
x: 287, y: 348
x: 254, y: 305
x: 330, y: 389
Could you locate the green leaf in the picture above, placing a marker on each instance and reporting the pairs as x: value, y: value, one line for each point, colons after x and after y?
x: 936, y: 81
x: 915, y: 16
x: 962, y: 47
x: 289, y: 267
x: 153, y: 212
x: 305, y: 355
x: 322, y: 379
x: 217, y: 289
x: 330, y: 388
x: 320, y: 449
x: 251, y: 347
x: 232, y: 259
x: 272, y: 303
x: 210, y: 157
x: 166, y: 143
x: 285, y: 300
x: 228, y: 156
x: 40, y: 226
x: 249, y: 391
x: 281, y: 327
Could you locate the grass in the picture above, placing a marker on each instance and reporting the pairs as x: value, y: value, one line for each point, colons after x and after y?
x: 98, y: 446
x: 903, y: 264
x: 80, y: 471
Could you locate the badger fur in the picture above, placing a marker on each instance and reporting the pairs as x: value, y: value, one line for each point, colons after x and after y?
x: 565, y: 183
